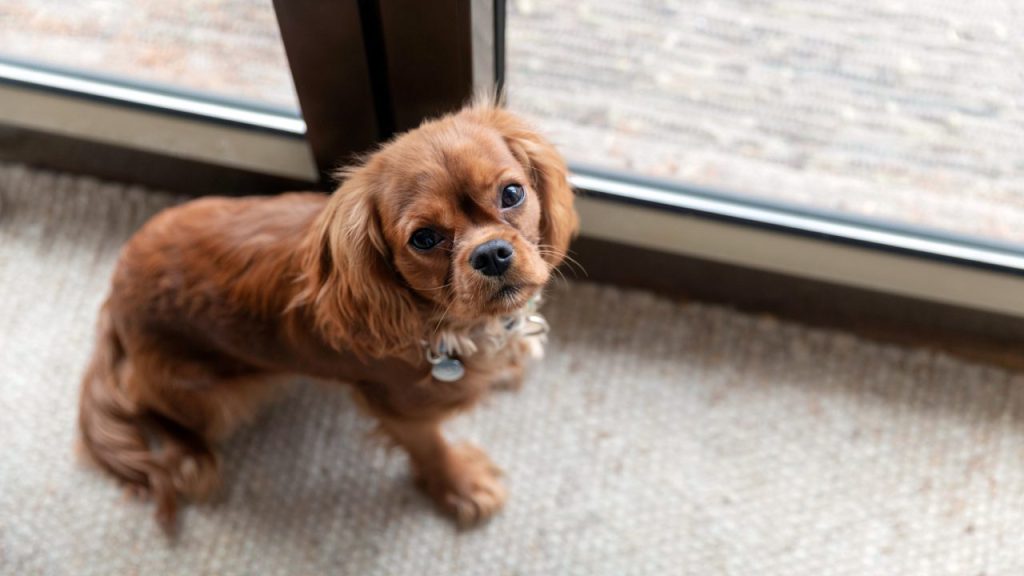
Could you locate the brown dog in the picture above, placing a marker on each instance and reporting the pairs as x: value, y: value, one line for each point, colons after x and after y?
x: 427, y: 256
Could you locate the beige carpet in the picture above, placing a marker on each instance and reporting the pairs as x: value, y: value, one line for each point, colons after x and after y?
x: 657, y: 438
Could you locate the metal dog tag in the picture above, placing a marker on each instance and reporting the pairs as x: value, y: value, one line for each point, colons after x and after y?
x: 448, y: 369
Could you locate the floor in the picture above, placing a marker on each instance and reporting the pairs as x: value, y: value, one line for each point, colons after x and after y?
x: 658, y: 437
x: 906, y: 111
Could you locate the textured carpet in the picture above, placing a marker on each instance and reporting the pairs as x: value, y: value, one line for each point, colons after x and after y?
x: 657, y: 438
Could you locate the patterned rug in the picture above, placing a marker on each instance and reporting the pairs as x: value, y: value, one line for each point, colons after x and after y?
x: 658, y: 437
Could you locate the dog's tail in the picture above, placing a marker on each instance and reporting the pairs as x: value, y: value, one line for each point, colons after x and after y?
x: 121, y: 436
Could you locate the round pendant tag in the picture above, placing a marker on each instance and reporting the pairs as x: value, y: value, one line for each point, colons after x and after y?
x: 448, y: 370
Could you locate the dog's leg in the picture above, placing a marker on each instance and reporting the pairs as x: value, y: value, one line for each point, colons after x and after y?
x: 200, y: 418
x: 154, y: 419
x: 133, y: 440
x: 460, y: 478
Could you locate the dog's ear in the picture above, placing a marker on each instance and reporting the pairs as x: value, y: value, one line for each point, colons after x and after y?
x: 359, y: 302
x: 549, y: 177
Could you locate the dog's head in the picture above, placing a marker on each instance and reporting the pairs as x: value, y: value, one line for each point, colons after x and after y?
x: 464, y: 217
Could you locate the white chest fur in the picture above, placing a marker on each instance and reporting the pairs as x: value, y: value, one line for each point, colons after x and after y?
x: 449, y: 349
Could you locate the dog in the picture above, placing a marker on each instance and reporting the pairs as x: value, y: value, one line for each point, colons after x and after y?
x: 412, y: 282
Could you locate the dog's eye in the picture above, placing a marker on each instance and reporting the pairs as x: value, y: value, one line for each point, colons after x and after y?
x: 512, y: 195
x: 425, y: 239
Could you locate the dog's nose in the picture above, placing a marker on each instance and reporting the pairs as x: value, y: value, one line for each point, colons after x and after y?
x: 492, y: 258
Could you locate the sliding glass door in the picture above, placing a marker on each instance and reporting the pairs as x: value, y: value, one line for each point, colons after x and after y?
x: 868, y: 144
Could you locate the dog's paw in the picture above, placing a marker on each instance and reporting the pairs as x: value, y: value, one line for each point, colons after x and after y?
x: 469, y: 487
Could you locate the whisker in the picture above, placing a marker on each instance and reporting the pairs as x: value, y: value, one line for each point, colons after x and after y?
x: 561, y: 276
x: 443, y: 315
x: 441, y: 287
x: 567, y: 256
x: 572, y: 262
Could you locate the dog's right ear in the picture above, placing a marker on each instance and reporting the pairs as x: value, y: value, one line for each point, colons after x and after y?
x: 357, y: 300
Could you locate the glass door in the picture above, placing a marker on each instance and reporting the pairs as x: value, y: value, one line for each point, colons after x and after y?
x: 228, y: 49
x: 909, y: 114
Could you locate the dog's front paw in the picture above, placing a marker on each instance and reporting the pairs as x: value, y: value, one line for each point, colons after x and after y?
x: 467, y: 486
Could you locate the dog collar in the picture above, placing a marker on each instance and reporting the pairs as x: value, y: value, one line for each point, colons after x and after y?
x: 526, y: 324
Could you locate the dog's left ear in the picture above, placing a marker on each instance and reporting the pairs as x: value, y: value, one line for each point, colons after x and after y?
x: 356, y: 297
x: 549, y: 177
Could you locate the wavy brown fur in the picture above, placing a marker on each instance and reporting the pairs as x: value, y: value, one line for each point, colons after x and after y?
x: 215, y: 303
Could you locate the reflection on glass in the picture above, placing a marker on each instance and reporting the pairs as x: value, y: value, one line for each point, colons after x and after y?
x: 909, y: 111
x: 230, y: 48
